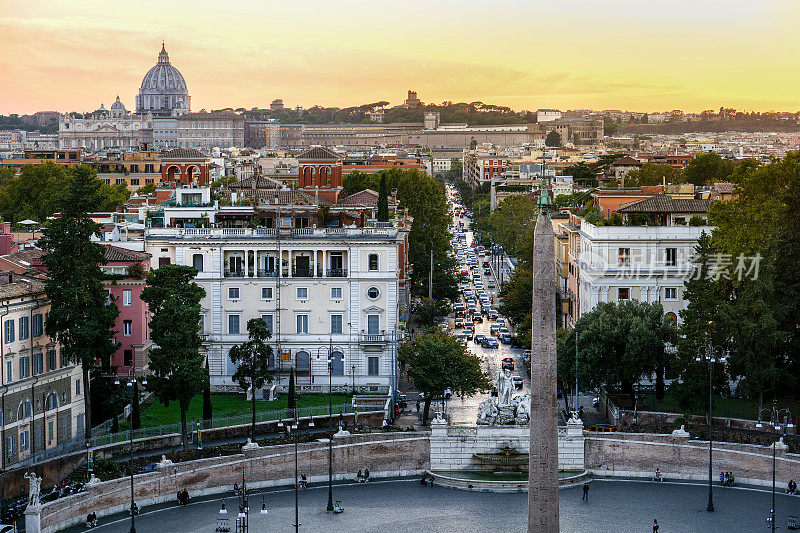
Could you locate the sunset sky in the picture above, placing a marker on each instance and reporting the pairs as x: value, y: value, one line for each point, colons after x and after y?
x: 637, y: 55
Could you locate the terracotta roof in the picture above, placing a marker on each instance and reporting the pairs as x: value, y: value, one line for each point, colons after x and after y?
x: 16, y: 289
x: 626, y: 162
x: 183, y: 153
x: 723, y: 187
x: 26, y: 257
x: 318, y: 153
x: 365, y: 197
x: 116, y: 254
x: 661, y: 203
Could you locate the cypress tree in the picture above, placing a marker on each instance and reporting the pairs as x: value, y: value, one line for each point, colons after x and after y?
x: 207, y: 409
x: 292, y: 401
x: 383, y: 200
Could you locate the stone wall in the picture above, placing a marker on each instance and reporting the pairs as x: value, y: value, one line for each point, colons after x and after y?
x: 385, y: 454
x: 639, y: 454
x: 452, y: 447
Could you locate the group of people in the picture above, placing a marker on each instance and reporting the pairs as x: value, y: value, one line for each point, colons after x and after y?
x: 363, y: 477
x: 658, y: 475
x: 183, y: 497
x: 91, y: 519
x: 726, y: 478
x: 427, y: 480
x: 792, y: 488
x: 302, y: 481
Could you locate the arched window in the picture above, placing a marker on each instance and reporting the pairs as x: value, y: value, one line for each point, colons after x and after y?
x: 671, y: 319
x: 303, y: 363
x: 25, y: 410
x: 51, y: 402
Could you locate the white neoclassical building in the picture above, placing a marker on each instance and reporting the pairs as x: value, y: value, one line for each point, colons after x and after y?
x: 319, y: 290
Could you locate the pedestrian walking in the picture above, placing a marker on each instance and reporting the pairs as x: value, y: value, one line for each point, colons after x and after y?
x: 417, y: 406
x: 655, y: 526
x: 585, y: 492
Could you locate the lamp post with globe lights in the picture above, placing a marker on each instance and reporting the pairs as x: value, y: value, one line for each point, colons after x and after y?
x: 779, y: 420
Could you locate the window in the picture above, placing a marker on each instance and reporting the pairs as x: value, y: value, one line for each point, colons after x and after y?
x: 51, y: 402
x: 336, y: 324
x: 24, y: 367
x: 11, y: 444
x: 671, y: 257
x: 336, y: 293
x: 373, y: 293
x: 9, y: 331
x: 372, y: 366
x: 197, y: 262
x: 266, y: 293
x: 373, y: 324
x: 38, y: 363
x: 64, y: 359
x: 23, y: 439
x: 127, y: 328
x: 134, y: 181
x: 127, y: 358
x: 9, y: 371
x: 77, y: 387
x: 38, y: 325
x: 302, y: 293
x: 268, y: 321
x: 624, y: 293
x: 51, y: 360
x: 24, y: 327
x: 50, y: 431
x: 373, y: 262
x: 127, y: 297
x: 302, y: 324
x: 233, y: 324
x: 25, y: 410
x: 670, y: 293
x: 337, y: 363
x: 624, y: 257
x: 233, y: 293
x: 120, y: 181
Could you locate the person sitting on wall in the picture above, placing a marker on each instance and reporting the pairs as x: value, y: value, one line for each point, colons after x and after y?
x: 91, y: 519
x: 792, y: 487
x: 658, y: 476
x: 360, y: 477
x: 366, y: 475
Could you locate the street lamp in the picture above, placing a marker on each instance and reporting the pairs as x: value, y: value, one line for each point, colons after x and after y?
x: 131, y: 382
x: 330, y: 421
x: 296, y: 476
x: 779, y: 420
x: 712, y: 354
x: 243, y: 518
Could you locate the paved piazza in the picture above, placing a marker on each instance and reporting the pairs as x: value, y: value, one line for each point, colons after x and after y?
x: 614, y: 506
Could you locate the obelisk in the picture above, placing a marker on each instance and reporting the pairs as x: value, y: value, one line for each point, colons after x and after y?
x: 543, y: 459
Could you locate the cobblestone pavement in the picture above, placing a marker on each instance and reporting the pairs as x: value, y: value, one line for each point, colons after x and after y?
x: 614, y: 506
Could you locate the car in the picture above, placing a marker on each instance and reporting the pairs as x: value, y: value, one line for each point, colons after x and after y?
x: 459, y: 322
x: 401, y: 401
x: 517, y: 382
x: 477, y: 317
x: 150, y: 467
x: 504, y: 331
x: 486, y: 264
x: 508, y: 363
x: 487, y: 272
x: 491, y: 284
x: 469, y: 326
x: 479, y: 339
x: 526, y: 355
x: 492, y: 314
x: 505, y: 338
x: 447, y: 393
x: 501, y: 322
x: 494, y: 329
x: 490, y: 342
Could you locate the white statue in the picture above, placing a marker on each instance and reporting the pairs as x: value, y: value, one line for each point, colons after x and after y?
x: 487, y: 411
x: 33, y: 489
x: 523, y: 408
x: 505, y: 387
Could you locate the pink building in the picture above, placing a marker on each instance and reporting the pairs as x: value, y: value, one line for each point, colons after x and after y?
x: 125, y: 283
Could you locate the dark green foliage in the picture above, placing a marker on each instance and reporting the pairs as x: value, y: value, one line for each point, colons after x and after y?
x: 81, y: 318
x: 175, y: 360
x: 427, y: 311
x: 436, y: 360
x: 708, y: 168
x: 653, y: 174
x: 207, y: 406
x: 553, y: 139
x: 252, y: 358
x: 383, y: 200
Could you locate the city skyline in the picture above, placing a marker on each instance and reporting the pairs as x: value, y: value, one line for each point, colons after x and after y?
x: 619, y: 55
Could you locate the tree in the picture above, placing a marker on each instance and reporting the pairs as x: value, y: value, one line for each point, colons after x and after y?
x: 553, y: 139
x: 436, y: 360
x: 81, y: 318
x: 707, y: 168
x: 609, y: 126
x: 456, y: 169
x: 175, y: 359
x: 208, y: 411
x: 427, y: 311
x: 252, y: 358
x: 147, y: 188
x: 653, y: 174
x: 383, y: 200
x: 618, y: 344
x: 582, y: 173
x: 291, y: 402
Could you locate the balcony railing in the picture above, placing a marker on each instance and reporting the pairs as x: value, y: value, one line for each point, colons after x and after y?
x: 337, y: 272
x: 234, y: 273
x: 302, y: 272
x: 380, y: 337
x: 267, y: 273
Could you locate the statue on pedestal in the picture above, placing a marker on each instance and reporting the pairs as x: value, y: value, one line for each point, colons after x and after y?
x: 505, y: 387
x: 34, y: 489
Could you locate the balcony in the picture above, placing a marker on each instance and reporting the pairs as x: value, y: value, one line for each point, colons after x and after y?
x: 234, y: 273
x: 302, y: 273
x: 267, y: 273
x: 337, y: 273
x: 379, y: 338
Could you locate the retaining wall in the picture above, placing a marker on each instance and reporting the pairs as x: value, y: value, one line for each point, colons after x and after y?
x: 385, y: 454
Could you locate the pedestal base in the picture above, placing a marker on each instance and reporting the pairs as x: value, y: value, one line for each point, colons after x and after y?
x: 33, y: 519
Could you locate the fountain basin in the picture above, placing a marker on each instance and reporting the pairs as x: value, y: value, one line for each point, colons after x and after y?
x: 500, y: 481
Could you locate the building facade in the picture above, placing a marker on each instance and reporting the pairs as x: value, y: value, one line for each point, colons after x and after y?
x: 317, y: 289
x: 208, y: 130
x: 41, y: 402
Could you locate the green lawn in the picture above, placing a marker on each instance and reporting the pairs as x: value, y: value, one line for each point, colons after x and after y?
x: 225, y: 405
x: 723, y: 407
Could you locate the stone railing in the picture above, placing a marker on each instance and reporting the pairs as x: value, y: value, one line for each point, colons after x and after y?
x: 385, y: 454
